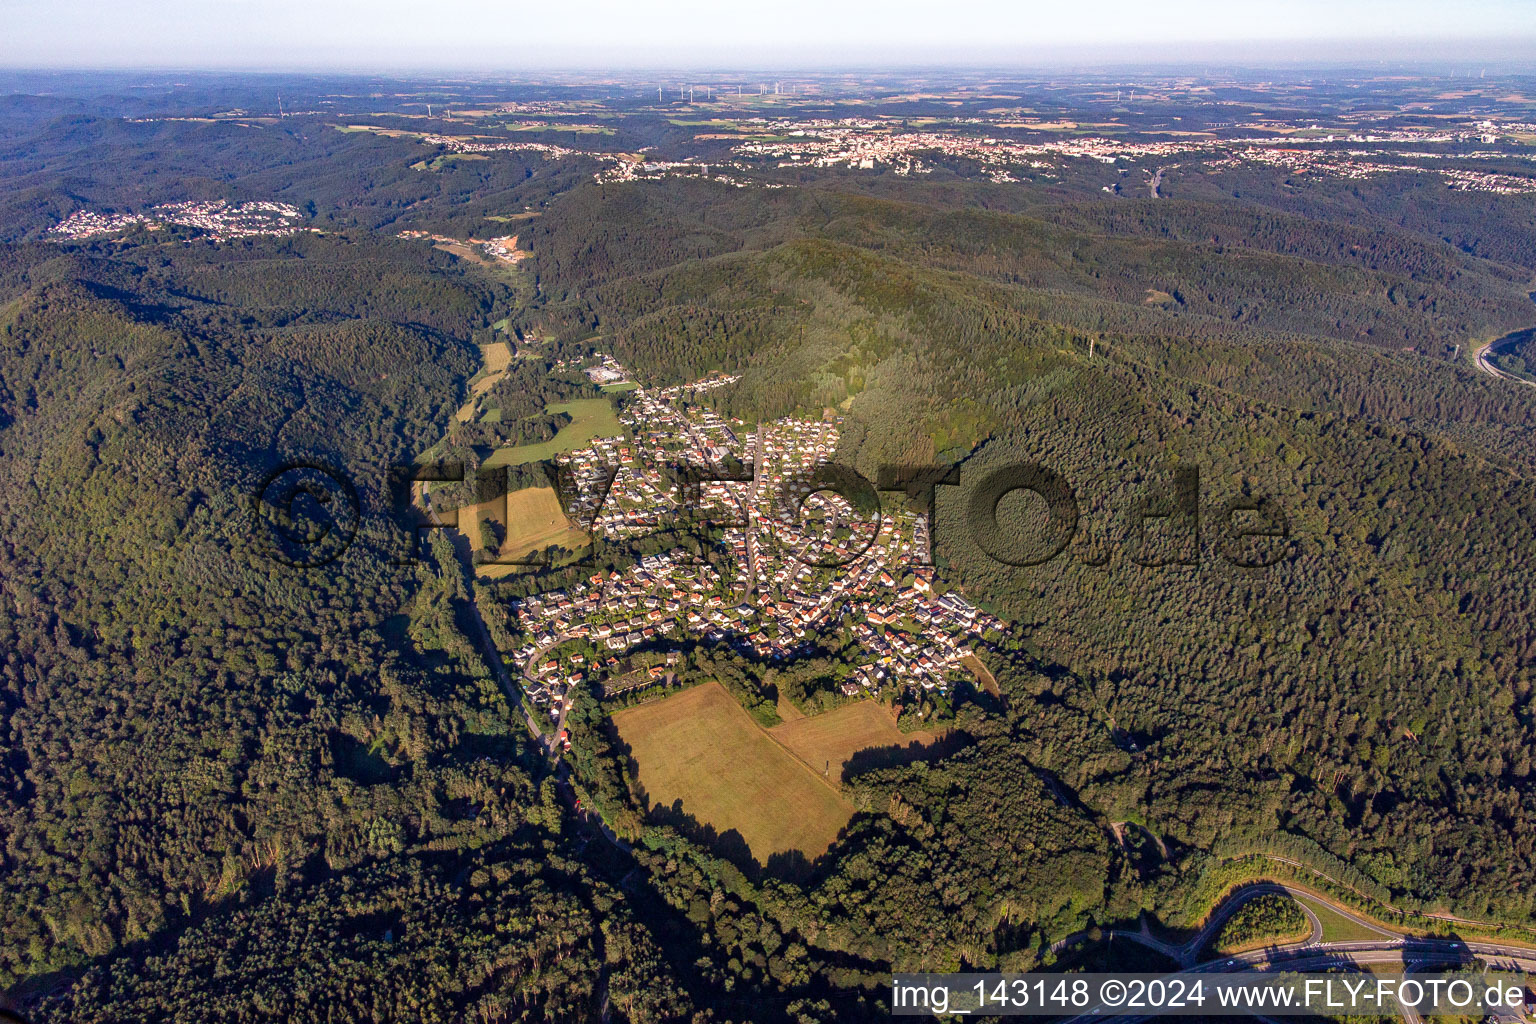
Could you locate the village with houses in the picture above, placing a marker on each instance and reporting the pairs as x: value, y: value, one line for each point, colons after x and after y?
x: 794, y: 567
x: 218, y: 219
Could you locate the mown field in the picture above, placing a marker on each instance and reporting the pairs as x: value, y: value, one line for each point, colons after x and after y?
x: 590, y: 418
x: 535, y: 520
x: 494, y: 360
x: 827, y: 742
x: 698, y: 748
x: 1337, y: 927
x: 530, y: 518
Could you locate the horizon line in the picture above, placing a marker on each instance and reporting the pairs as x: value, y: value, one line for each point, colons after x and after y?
x: 1236, y: 54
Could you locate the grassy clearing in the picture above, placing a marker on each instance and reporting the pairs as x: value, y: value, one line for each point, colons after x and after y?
x: 698, y: 748
x: 437, y: 163
x: 464, y: 251
x: 467, y: 518
x: 619, y: 389
x: 984, y: 677
x: 827, y: 742
x: 535, y: 520
x: 576, y: 129
x: 530, y: 519
x: 494, y: 360
x: 787, y: 710
x: 497, y: 356
x: 1337, y: 927
x: 590, y: 418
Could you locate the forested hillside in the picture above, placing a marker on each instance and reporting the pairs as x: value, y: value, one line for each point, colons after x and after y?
x: 234, y: 788
x: 299, y: 780
x: 139, y: 616
x: 1371, y: 691
x: 194, y: 726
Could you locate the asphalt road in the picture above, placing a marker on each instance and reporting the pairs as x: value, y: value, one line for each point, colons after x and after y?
x: 1314, y: 954
x: 1486, y: 365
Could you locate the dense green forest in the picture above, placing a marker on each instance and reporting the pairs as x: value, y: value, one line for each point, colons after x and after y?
x: 1271, y: 916
x: 338, y: 790
x: 141, y: 617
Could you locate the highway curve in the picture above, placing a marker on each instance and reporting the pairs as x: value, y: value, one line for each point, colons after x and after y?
x: 1314, y: 954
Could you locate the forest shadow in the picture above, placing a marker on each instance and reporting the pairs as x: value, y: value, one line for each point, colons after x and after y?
x: 1457, y: 957
x: 895, y: 755
x: 1099, y: 949
x: 731, y: 846
x: 499, y: 747
x: 360, y: 762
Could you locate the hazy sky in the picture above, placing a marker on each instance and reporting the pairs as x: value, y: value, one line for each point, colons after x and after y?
x: 484, y: 35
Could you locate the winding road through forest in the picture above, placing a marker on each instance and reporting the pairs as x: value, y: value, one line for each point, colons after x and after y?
x: 1486, y: 365
x: 1481, y: 355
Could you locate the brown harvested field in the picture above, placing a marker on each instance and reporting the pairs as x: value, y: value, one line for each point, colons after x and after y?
x: 497, y: 356
x: 535, y: 520
x: 699, y: 747
x: 787, y: 710
x: 532, y: 519
x: 495, y: 359
x: 827, y: 742
x: 464, y: 251
x: 466, y: 519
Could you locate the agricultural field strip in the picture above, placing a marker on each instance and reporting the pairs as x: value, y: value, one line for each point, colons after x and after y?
x: 699, y: 747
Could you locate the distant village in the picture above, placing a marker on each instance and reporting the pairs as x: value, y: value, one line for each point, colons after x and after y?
x: 1359, y: 164
x: 219, y: 219
x: 796, y: 566
x: 873, y: 143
